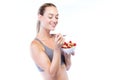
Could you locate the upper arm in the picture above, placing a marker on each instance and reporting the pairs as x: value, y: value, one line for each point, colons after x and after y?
x: 39, y: 56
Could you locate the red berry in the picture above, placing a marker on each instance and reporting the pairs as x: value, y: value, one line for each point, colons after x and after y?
x: 64, y: 43
x: 70, y: 41
x: 68, y: 46
x: 74, y: 44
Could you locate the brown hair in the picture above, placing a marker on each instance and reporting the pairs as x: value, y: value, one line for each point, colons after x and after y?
x: 41, y: 11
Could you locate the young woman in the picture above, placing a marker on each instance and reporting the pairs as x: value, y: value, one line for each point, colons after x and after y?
x: 46, y: 48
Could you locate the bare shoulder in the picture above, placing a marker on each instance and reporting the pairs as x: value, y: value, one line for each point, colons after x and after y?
x: 36, y: 45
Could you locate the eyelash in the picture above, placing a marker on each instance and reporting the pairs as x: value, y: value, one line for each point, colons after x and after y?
x: 56, y: 17
x: 52, y: 17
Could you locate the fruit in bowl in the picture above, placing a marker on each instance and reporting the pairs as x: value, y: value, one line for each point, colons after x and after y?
x: 68, y: 47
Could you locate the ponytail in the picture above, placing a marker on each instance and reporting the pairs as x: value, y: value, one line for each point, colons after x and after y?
x: 38, y: 26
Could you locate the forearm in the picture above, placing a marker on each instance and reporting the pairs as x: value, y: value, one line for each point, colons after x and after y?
x: 55, y: 62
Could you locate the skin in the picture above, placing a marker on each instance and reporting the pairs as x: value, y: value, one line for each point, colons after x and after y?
x: 52, y: 70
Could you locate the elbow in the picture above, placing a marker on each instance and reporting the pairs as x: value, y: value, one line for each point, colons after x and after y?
x: 53, y: 73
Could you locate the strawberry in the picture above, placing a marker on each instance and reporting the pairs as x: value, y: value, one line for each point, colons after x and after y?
x: 69, y: 47
x: 74, y: 44
x: 64, y: 43
x: 64, y: 46
x: 68, y: 44
x: 70, y: 41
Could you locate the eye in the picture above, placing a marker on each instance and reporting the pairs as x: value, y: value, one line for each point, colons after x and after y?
x: 56, y: 17
x: 50, y: 17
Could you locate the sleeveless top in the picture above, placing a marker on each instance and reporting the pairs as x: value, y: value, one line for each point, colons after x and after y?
x: 49, y: 53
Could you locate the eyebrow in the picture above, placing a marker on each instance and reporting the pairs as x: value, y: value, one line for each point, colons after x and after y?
x: 53, y: 14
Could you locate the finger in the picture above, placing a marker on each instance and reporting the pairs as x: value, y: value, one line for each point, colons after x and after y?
x: 59, y: 36
x: 68, y: 55
x: 73, y: 53
x: 61, y: 42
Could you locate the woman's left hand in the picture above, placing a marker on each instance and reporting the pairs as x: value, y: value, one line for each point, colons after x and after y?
x: 73, y: 53
x: 68, y: 54
x: 68, y: 59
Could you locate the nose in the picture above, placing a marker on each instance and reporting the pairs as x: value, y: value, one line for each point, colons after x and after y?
x: 55, y: 20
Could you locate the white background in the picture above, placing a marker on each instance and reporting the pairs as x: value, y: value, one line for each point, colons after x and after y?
x: 93, y: 24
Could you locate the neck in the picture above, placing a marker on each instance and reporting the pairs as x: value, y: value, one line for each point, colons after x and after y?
x: 44, y: 34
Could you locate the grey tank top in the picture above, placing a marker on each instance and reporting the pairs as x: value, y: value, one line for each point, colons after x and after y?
x: 49, y: 53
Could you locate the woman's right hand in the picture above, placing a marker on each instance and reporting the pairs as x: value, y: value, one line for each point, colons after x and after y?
x: 59, y: 40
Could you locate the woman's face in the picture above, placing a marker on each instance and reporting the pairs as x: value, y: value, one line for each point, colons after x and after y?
x: 49, y: 19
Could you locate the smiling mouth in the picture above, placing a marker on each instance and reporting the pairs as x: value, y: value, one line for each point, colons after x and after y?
x: 53, y: 25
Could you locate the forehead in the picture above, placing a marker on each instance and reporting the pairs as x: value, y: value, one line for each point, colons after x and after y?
x: 51, y: 10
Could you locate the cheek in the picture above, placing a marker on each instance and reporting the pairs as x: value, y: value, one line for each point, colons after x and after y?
x: 46, y: 21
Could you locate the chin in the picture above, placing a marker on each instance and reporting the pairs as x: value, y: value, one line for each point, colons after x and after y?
x: 52, y: 29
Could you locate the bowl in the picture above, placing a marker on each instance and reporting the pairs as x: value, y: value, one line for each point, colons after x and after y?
x: 68, y: 50
x: 68, y: 47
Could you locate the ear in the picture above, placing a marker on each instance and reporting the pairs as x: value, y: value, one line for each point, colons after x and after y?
x: 39, y: 17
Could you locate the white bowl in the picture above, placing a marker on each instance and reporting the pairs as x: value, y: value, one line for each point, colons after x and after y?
x: 69, y: 50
